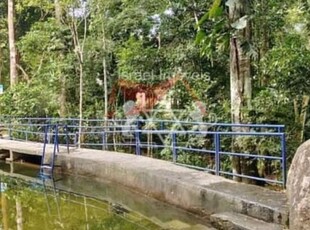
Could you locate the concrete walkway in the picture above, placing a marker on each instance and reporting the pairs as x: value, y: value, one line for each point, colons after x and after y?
x: 196, y: 191
x: 29, y: 148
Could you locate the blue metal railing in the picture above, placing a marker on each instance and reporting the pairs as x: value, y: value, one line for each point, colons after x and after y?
x: 170, y: 135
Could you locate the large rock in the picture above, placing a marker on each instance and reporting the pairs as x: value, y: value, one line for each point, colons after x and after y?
x: 298, y: 188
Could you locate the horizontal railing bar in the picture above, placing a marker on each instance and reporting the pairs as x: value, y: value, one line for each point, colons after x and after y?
x: 107, y: 144
x: 145, y: 120
x: 251, y: 177
x: 196, y: 167
x: 155, y: 146
x: 112, y: 129
x: 206, y: 132
x: 250, y: 133
x: 224, y: 124
x: 196, y: 150
x: 251, y: 155
x: 101, y: 127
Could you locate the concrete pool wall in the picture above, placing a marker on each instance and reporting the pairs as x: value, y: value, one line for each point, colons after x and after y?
x: 195, y: 191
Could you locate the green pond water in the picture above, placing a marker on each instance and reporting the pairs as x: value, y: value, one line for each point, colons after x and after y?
x: 67, y: 202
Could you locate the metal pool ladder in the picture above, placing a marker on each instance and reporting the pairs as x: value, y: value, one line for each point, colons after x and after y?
x: 48, y: 160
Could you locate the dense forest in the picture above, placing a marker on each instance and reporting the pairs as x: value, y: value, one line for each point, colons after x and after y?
x: 247, y: 61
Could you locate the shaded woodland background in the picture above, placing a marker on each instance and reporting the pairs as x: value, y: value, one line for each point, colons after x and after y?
x: 248, y: 61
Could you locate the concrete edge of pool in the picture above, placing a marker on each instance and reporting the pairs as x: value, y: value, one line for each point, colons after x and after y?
x: 195, y: 191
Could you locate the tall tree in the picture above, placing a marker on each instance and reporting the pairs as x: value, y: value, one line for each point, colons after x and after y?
x: 240, y: 65
x: 235, y: 31
x: 240, y: 68
x: 12, y: 45
x: 79, y: 48
x: 58, y: 10
x: 62, y: 77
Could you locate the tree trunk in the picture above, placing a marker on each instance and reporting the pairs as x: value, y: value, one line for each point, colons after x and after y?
x: 58, y: 10
x: 79, y: 52
x: 105, y: 83
x: 105, y: 71
x: 296, y: 110
x: 62, y: 77
x: 62, y: 96
x: 12, y: 45
x: 81, y: 105
x: 106, y: 108
x: 1, y: 65
x: 303, y: 116
x: 300, y: 110
x: 240, y: 77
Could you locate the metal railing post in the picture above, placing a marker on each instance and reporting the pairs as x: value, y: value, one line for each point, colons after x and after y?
x: 283, y: 154
x: 103, y: 140
x: 28, y: 129
x: 67, y: 138
x: 56, y: 148
x: 44, y: 146
x: 174, y: 145
x: 137, y: 137
x: 76, y: 139
x: 217, y: 153
x: 57, y: 137
x: 138, y: 149
x: 162, y: 125
x: 10, y: 131
x: 50, y: 133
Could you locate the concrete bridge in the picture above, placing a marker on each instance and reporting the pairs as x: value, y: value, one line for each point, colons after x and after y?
x: 16, y: 148
x: 230, y: 205
x: 226, y: 202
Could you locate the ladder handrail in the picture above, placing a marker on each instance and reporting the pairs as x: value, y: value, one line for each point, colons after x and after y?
x: 51, y: 165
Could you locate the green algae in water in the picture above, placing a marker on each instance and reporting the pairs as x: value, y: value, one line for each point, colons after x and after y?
x: 41, y: 206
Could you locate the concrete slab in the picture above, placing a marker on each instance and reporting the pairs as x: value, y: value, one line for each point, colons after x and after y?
x: 193, y: 190
x: 30, y: 148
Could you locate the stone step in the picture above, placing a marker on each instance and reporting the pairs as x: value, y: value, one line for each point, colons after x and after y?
x: 250, y: 200
x: 236, y: 221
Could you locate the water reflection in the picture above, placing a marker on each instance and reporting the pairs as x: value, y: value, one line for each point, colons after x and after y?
x: 40, y: 205
x: 67, y: 202
x: 4, y: 207
x: 45, y: 181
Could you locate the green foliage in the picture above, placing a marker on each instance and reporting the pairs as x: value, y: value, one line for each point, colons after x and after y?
x: 154, y: 41
x: 286, y: 65
x: 131, y: 55
x: 272, y: 106
x: 29, y: 100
